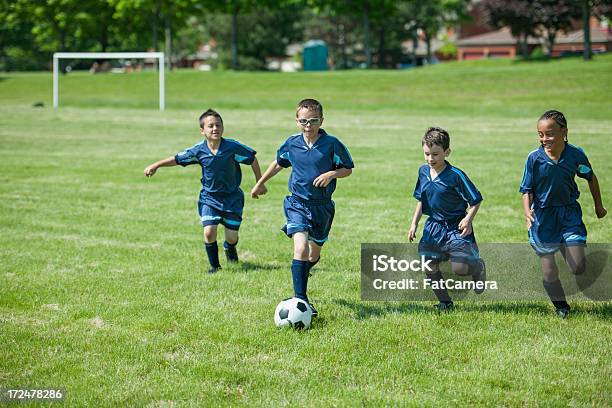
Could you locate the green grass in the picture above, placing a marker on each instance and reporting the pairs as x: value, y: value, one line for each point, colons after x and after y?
x: 103, y: 289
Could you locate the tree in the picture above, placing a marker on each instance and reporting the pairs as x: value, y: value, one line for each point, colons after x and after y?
x: 160, y: 16
x: 431, y: 16
x: 18, y: 50
x: 270, y: 30
x: 367, y: 11
x: 554, y: 16
x: 602, y: 9
x: 516, y: 14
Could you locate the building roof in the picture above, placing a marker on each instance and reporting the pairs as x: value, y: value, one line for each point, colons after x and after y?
x: 499, y: 37
x: 504, y: 37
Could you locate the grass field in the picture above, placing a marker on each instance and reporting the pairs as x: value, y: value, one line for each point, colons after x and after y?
x: 103, y: 290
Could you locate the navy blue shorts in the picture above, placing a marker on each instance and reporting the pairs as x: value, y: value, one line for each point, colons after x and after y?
x: 213, y: 216
x: 556, y: 226
x: 443, y: 240
x: 313, y: 217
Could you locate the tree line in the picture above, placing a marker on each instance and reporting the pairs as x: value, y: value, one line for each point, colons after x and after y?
x: 247, y: 33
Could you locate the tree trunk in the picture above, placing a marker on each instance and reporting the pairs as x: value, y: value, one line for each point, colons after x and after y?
x: 168, y: 43
x: 586, y: 16
x: 428, y: 44
x: 342, y: 45
x: 366, y: 38
x: 523, y: 48
x: 155, y: 26
x: 234, y: 39
x: 104, y: 38
x: 382, y: 63
x: 415, y: 45
x: 552, y: 35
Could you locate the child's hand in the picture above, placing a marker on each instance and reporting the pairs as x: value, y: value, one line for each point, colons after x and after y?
x: 465, y: 226
x: 412, y: 233
x: 324, y: 179
x: 258, y: 190
x: 150, y: 171
x: 529, y: 219
x: 600, y: 211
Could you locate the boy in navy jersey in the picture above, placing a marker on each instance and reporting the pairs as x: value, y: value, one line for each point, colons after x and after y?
x: 451, y: 201
x: 221, y: 199
x: 317, y: 160
x: 552, y: 212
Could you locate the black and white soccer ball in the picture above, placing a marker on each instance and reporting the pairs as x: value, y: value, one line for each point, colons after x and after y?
x: 293, y: 312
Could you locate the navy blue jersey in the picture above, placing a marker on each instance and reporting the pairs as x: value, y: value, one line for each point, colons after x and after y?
x: 221, y: 175
x: 552, y: 184
x: 326, y: 154
x: 446, y: 197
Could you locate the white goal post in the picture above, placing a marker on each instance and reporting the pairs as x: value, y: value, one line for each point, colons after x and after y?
x: 108, y: 55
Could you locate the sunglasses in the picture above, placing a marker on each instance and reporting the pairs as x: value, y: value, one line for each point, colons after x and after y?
x: 311, y: 121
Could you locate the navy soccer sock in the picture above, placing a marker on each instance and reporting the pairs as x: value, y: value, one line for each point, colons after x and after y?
x: 474, y: 268
x: 212, y: 250
x: 311, y: 264
x: 299, y: 273
x: 441, y: 294
x: 555, y: 292
x: 230, y: 251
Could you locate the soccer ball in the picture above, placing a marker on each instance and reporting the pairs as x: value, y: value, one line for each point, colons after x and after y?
x: 293, y: 312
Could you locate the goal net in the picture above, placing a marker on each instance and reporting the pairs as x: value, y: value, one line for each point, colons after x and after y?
x: 159, y: 56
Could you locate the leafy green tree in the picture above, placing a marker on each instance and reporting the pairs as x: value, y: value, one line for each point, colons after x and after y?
x: 431, y: 16
x: 267, y: 30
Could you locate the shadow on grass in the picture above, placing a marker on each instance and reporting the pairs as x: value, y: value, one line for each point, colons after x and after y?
x: 599, y: 310
x: 366, y: 310
x: 246, y: 266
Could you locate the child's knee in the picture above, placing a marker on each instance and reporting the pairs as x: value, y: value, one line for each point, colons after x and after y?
x: 579, y: 267
x: 210, y: 233
x: 231, y: 236
x: 460, y: 268
x: 300, y: 252
x: 300, y: 246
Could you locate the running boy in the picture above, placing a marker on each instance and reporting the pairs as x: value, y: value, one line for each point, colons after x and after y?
x: 318, y: 159
x: 221, y: 199
x: 552, y: 212
x: 451, y: 201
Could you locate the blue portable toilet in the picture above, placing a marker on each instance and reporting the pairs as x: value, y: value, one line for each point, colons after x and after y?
x: 315, y: 55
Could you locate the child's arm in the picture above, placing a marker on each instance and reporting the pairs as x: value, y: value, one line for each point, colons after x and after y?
x: 324, y: 179
x: 465, y: 225
x: 256, y: 169
x: 259, y: 188
x: 418, y: 212
x: 257, y: 172
x: 167, y: 162
x: 600, y: 210
x: 527, y: 198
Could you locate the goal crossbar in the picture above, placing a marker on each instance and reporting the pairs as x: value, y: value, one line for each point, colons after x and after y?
x: 108, y: 55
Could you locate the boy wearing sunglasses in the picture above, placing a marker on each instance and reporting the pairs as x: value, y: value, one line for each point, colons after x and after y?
x: 317, y: 160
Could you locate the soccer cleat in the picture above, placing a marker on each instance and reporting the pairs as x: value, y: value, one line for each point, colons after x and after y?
x: 214, y: 269
x: 563, y: 312
x: 231, y: 254
x: 481, y: 276
x: 445, y: 306
x: 314, y: 311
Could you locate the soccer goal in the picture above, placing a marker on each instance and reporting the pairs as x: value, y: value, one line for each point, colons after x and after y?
x: 108, y: 55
